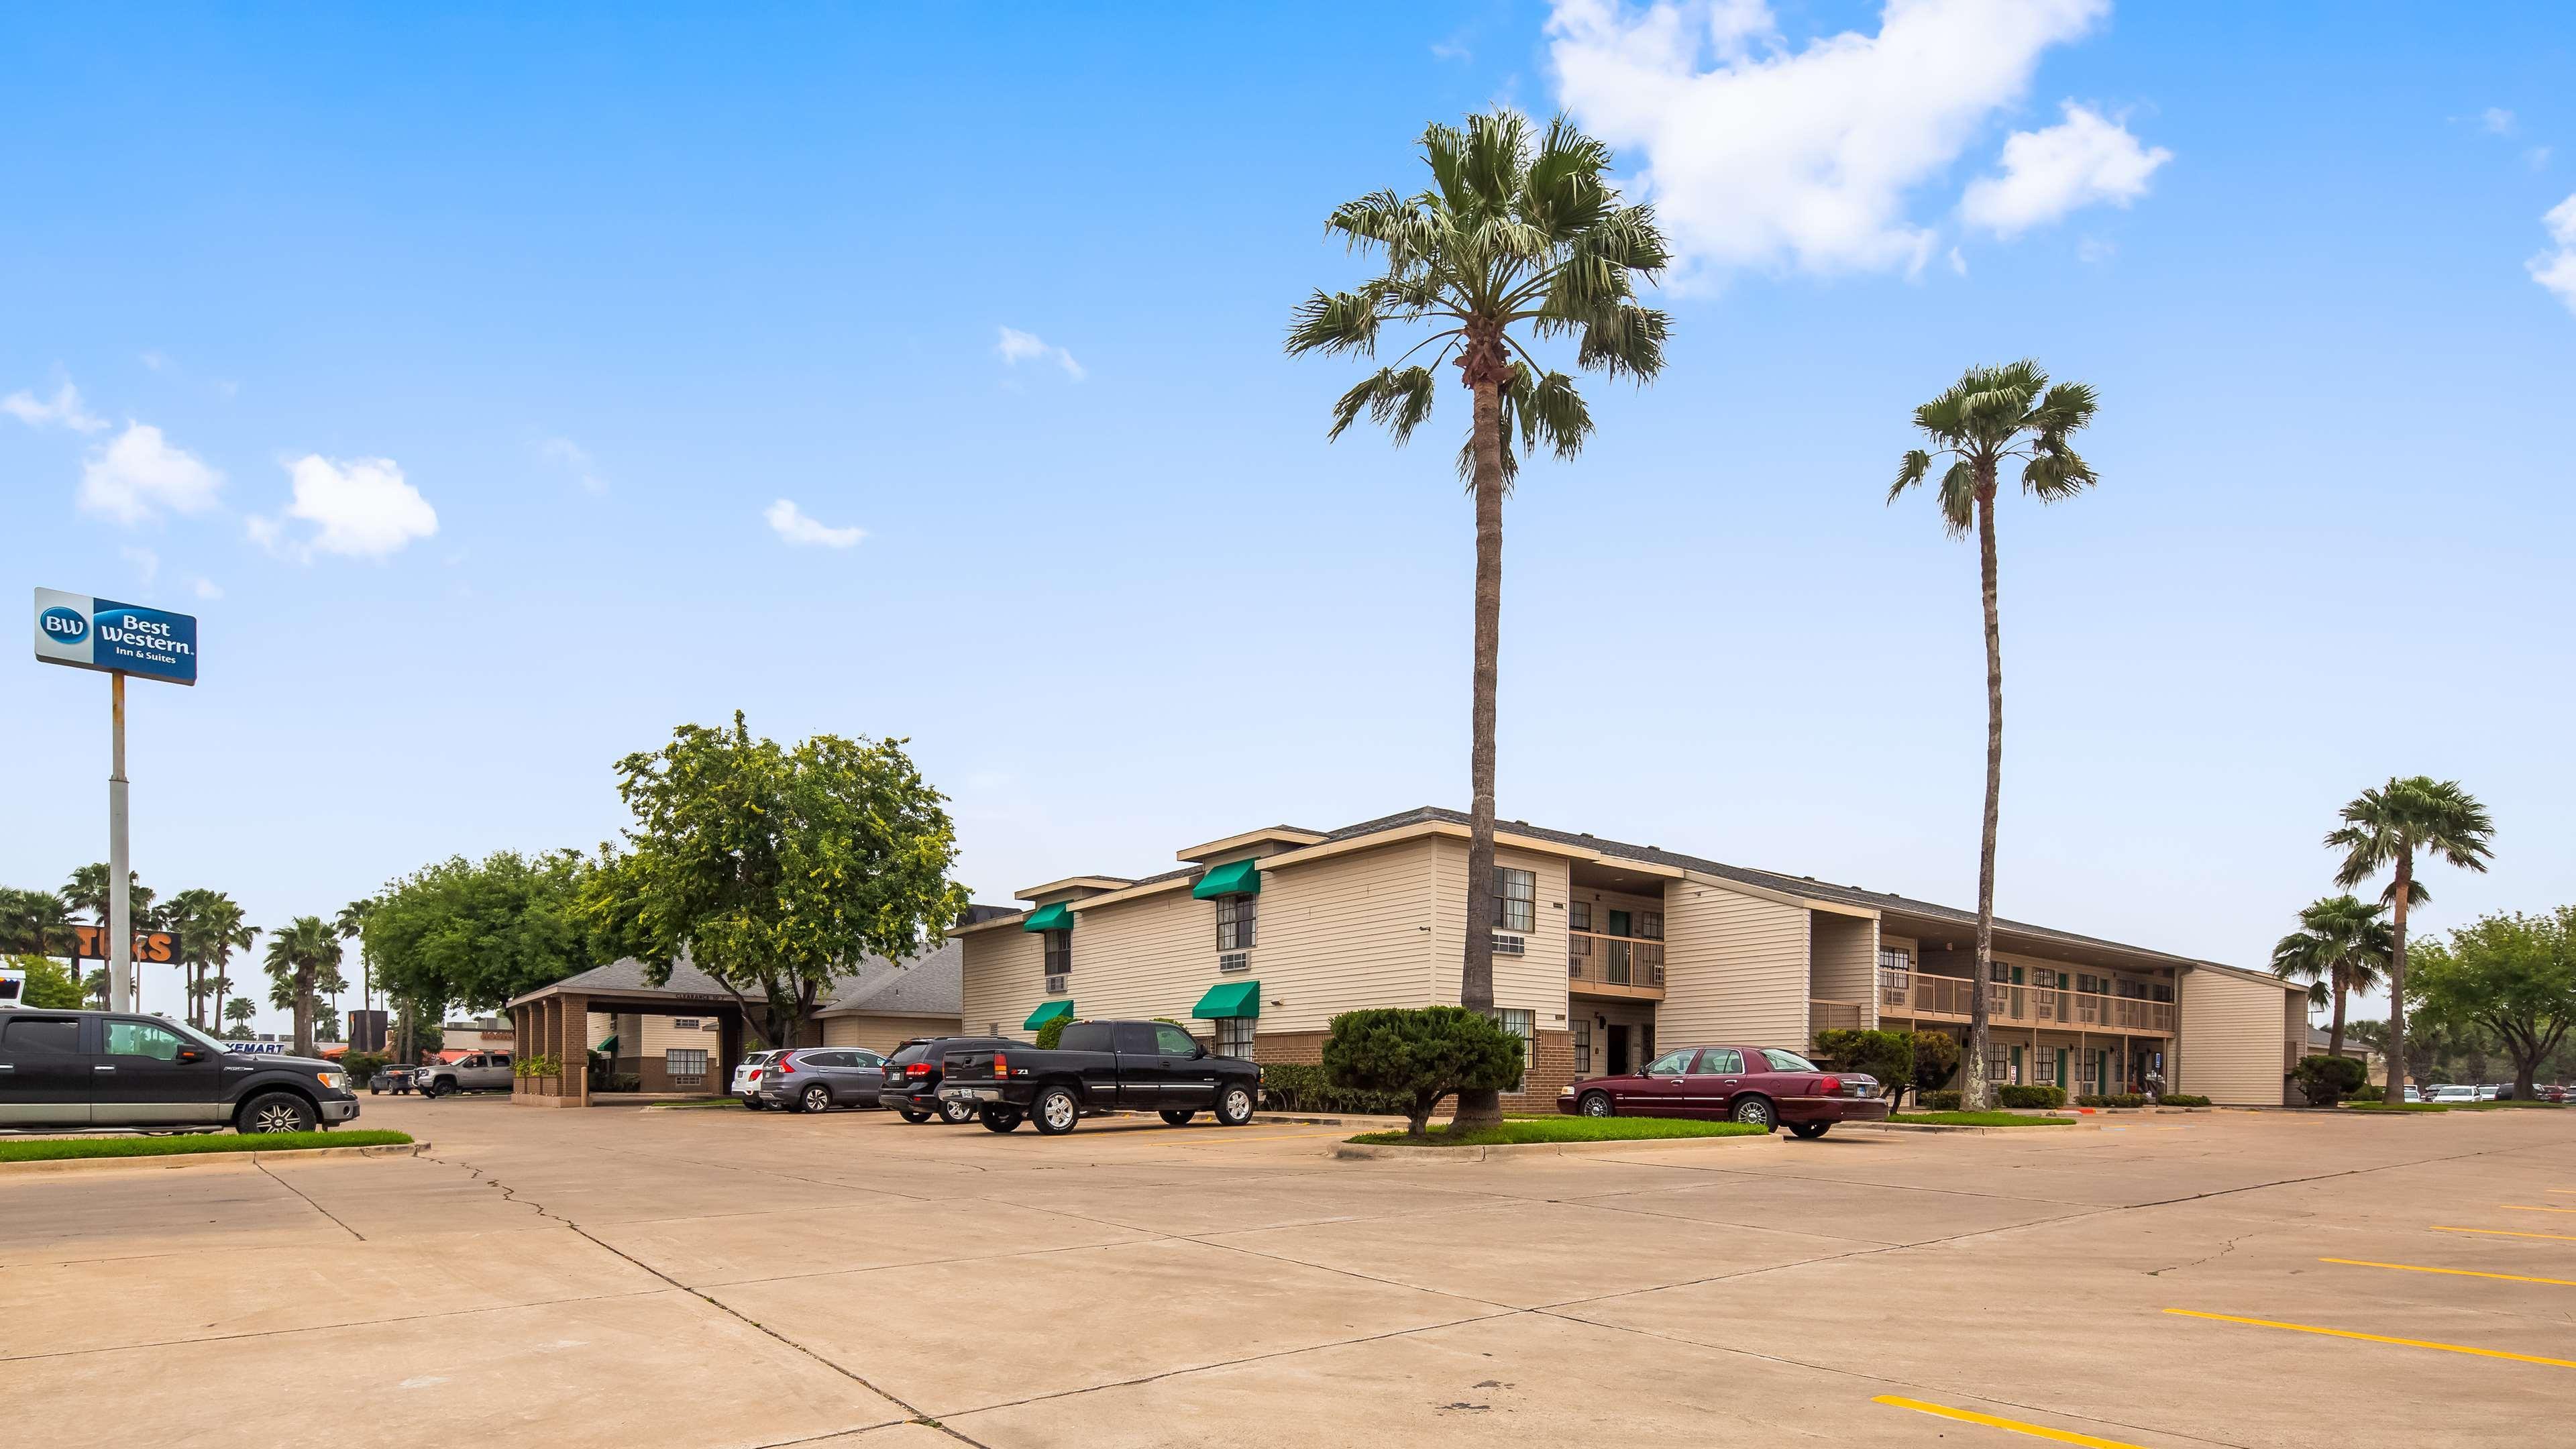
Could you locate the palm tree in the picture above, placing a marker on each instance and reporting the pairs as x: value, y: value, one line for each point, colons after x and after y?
x: 178, y: 916
x: 298, y: 954
x: 1991, y: 415
x: 351, y: 923
x: 2382, y: 830
x: 87, y: 891
x: 215, y: 930
x: 241, y: 1012
x: 2341, y: 946
x: 1518, y: 233
x: 34, y: 922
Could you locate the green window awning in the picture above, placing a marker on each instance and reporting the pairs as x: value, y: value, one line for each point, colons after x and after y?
x: 1046, y: 1013
x: 1228, y: 999
x: 1234, y: 878
x: 1057, y: 917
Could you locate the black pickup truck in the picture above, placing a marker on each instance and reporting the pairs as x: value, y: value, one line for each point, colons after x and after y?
x: 1151, y: 1066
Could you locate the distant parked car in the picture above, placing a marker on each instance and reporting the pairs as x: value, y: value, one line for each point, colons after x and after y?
x: 2550, y: 1094
x: 2414, y: 1093
x: 2487, y: 1093
x: 473, y: 1072
x: 818, y: 1079
x: 2445, y: 1092
x: 746, y: 1079
x: 397, y: 1080
x: 913, y: 1074
x: 1764, y: 1087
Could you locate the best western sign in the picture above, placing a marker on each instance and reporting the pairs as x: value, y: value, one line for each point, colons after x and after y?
x: 89, y: 633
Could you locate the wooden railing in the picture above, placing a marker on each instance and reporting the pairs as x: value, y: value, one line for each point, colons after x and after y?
x: 1836, y: 1015
x: 1913, y: 993
x: 1632, y: 963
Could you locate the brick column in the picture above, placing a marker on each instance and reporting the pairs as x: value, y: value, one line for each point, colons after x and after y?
x: 576, y: 1048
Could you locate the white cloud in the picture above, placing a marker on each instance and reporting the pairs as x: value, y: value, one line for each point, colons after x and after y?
x: 576, y: 458
x: 1758, y: 153
x: 2497, y: 120
x: 2084, y: 159
x: 135, y: 476
x: 2557, y: 270
x: 147, y: 564
x: 360, y: 508
x: 798, y: 527
x: 206, y: 589
x: 63, y: 408
x: 1017, y: 347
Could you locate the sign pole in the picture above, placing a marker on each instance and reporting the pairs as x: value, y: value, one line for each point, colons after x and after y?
x: 120, y: 905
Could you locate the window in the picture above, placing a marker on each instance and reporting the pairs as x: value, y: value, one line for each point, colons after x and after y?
x: 684, y: 1023
x: 1721, y: 1061
x: 1578, y: 916
x: 685, y: 1065
x: 1786, y: 1061
x: 1670, y: 1064
x: 28, y: 1040
x: 1136, y: 1039
x: 1088, y: 1036
x: 1582, y: 1048
x: 1059, y: 952
x: 1172, y: 1041
x: 142, y: 1039
x: 1235, y: 918
x: 1515, y: 899
x: 1522, y: 1024
x: 1234, y: 1037
x: 1898, y: 965
x: 1650, y: 924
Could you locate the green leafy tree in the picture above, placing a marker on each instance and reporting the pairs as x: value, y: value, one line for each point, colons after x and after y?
x: 1519, y: 240
x: 2326, y: 1079
x: 476, y: 933
x: 2514, y: 975
x: 299, y: 954
x: 2341, y: 946
x: 1936, y: 1059
x: 2386, y: 829
x: 773, y: 870
x: 49, y: 983
x: 1991, y: 418
x: 1886, y: 1055
x: 1421, y: 1054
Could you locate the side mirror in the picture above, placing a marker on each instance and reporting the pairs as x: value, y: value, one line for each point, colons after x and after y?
x: 192, y: 1054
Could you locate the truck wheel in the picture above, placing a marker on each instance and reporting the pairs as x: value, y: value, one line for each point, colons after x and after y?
x: 956, y: 1111
x: 1234, y: 1106
x: 911, y: 1116
x: 1179, y: 1119
x: 1000, y: 1119
x: 818, y: 1098
x: 429, y: 1088
x: 1055, y: 1112
x: 275, y: 1112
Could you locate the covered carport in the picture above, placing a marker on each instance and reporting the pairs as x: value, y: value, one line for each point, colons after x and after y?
x: 552, y: 1024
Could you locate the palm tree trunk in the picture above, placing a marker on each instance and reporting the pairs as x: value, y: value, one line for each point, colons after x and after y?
x: 2396, y: 1093
x: 304, y: 1011
x: 1483, y: 1108
x: 1975, y: 1092
x: 2334, y: 1034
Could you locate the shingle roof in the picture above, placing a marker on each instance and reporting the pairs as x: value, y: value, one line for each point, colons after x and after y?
x: 929, y: 985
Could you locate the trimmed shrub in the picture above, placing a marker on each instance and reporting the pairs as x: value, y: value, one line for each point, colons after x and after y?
x: 2116, y: 1099
x: 1886, y: 1055
x: 2030, y: 1096
x: 1052, y: 1033
x: 1936, y: 1061
x: 1421, y: 1054
x: 1940, y: 1101
x: 2183, y: 1099
x: 2325, y: 1080
x: 1303, y: 1087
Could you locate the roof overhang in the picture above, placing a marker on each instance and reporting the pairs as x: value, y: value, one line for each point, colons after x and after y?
x: 1071, y: 885
x: 1285, y: 836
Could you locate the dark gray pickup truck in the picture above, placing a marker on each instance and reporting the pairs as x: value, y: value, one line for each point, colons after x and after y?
x: 1151, y: 1066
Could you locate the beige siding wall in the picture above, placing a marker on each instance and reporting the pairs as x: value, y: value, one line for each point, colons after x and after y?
x: 1735, y: 967
x: 1533, y: 981
x: 881, y: 1033
x: 1346, y: 932
x: 1004, y: 980
x: 2232, y: 1044
x: 1842, y: 961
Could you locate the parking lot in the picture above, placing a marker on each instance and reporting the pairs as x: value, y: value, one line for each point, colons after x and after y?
x: 711, y: 1277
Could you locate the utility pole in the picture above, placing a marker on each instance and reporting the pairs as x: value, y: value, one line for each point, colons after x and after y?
x: 120, y: 903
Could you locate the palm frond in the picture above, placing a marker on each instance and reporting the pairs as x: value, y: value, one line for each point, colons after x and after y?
x: 1334, y: 322
x: 1959, y: 498
x: 1397, y: 399
x: 1912, y: 469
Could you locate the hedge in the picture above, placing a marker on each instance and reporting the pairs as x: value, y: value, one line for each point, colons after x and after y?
x: 1938, y: 1101
x: 1303, y: 1087
x: 2030, y: 1096
x: 2116, y: 1099
x: 2182, y: 1099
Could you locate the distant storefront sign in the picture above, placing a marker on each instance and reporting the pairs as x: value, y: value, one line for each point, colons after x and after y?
x: 88, y: 633
x: 89, y: 943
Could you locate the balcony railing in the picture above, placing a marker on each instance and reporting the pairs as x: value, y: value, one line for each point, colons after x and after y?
x: 1913, y: 993
x: 1836, y: 1015
x: 1629, y: 964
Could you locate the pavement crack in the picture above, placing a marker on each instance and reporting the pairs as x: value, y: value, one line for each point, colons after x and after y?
x: 308, y: 1198
x: 2224, y: 1249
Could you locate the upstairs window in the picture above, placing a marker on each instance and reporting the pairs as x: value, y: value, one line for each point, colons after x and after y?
x: 1236, y: 920
x: 1650, y: 925
x: 1059, y: 952
x: 1578, y: 916
x: 1515, y: 899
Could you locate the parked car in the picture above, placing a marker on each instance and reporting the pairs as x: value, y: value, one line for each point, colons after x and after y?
x: 390, y: 1078
x: 2549, y: 1093
x: 1099, y: 1065
x: 472, y: 1072
x: 2487, y: 1093
x: 913, y: 1075
x: 77, y: 1069
x: 2446, y: 1092
x: 818, y: 1079
x: 746, y: 1078
x: 2414, y: 1093
x: 1765, y: 1087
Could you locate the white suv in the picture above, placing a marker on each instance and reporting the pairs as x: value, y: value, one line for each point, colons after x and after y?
x: 746, y: 1078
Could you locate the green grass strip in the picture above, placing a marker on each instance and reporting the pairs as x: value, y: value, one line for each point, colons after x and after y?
x: 1564, y: 1129
x: 1980, y: 1119
x: 60, y: 1149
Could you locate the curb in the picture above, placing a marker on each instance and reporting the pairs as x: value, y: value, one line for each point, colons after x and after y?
x: 1946, y: 1127
x: 1395, y: 1152
x: 201, y: 1159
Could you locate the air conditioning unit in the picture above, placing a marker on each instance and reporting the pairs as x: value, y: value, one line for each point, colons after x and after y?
x: 1510, y: 945
x: 1234, y: 961
x: 1058, y: 985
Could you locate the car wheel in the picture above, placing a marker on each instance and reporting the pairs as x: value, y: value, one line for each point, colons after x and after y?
x: 818, y: 1098
x: 957, y: 1112
x: 1809, y: 1131
x: 1756, y: 1112
x: 1596, y: 1104
x: 1178, y: 1118
x: 911, y: 1116
x: 999, y: 1119
x: 275, y: 1112
x: 753, y: 1104
x: 1055, y: 1112
x: 1234, y: 1106
x: 374, y: 1091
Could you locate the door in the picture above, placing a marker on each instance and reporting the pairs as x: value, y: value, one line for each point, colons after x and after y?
x: 44, y: 1073
x: 1661, y: 1091
x: 1617, y: 1049
x: 1714, y: 1081
x: 867, y: 1077
x: 1188, y: 1072
x: 1141, y: 1068
x: 139, y: 1075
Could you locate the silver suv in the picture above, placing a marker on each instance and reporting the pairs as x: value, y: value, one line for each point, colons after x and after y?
x: 474, y: 1072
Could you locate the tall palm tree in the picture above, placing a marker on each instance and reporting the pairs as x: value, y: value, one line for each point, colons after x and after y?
x: 1990, y: 417
x: 178, y: 916
x: 351, y: 923
x: 299, y: 953
x: 1519, y: 239
x: 2341, y: 946
x: 241, y: 1012
x: 215, y: 930
x: 2383, y: 829
x: 87, y: 891
x: 34, y: 922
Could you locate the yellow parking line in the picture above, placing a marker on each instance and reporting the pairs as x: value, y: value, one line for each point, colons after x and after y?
x: 2378, y: 1338
x: 2504, y: 1233
x: 1971, y: 1416
x: 2453, y: 1272
x: 2524, y: 1207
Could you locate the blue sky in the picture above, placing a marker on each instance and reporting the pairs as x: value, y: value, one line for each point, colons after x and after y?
x: 453, y: 368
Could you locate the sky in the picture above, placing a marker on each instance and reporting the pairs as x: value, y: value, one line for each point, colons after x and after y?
x: 503, y: 387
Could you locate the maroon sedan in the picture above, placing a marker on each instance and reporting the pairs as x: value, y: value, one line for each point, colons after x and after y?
x: 1762, y: 1086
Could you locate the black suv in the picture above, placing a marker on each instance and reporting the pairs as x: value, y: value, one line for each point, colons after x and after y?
x: 76, y: 1069
x: 912, y: 1078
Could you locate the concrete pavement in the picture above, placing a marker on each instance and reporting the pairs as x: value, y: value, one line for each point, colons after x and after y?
x: 622, y: 1277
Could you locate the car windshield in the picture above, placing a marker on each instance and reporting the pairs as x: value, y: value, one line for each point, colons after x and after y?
x: 1786, y: 1061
